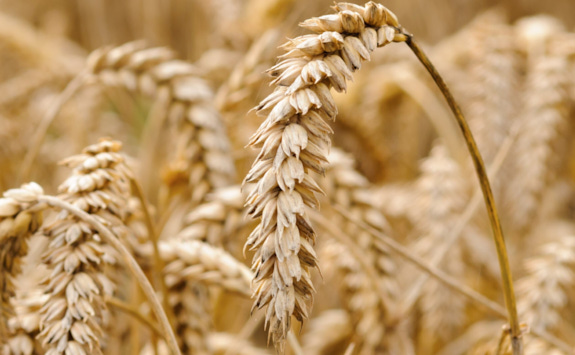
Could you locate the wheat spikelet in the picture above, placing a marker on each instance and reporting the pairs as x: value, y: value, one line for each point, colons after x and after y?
x: 200, y: 261
x: 294, y: 141
x: 200, y: 156
x: 326, y: 330
x: 19, y: 220
x: 72, y: 317
x: 545, y: 111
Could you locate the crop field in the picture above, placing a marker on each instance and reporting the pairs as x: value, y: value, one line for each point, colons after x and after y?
x: 229, y: 177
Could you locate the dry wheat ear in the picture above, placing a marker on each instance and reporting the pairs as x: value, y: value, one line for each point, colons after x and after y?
x: 294, y: 141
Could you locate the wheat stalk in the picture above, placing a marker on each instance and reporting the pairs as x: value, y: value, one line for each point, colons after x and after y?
x: 508, y: 292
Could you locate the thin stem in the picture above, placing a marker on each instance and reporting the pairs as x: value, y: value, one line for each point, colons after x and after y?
x: 131, y: 310
x: 508, y: 292
x: 38, y: 138
x: 131, y: 263
x: 158, y: 266
x: 136, y: 297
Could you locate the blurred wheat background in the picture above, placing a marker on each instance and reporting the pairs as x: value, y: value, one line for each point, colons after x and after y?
x: 136, y: 115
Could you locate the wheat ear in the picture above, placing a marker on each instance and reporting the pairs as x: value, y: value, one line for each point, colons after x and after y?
x: 201, y: 157
x: 20, y: 218
x: 216, y: 221
x: 24, y: 325
x: 546, y: 106
x: 441, y: 191
x: 294, y: 142
x: 72, y: 317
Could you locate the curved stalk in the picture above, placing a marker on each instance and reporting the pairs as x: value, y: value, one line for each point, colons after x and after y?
x: 508, y: 292
x: 132, y: 311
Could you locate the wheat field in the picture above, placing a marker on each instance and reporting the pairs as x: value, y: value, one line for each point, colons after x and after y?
x: 233, y: 177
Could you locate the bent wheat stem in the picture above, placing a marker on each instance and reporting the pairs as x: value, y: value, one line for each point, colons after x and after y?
x: 508, y: 292
x: 131, y: 263
x: 131, y: 310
